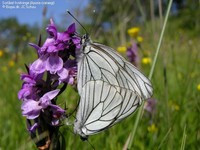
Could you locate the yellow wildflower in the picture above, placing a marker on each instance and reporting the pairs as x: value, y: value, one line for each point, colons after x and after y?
x: 24, y: 38
x: 133, y: 32
x: 121, y: 49
x: 11, y: 63
x: 174, y: 106
x: 28, y: 34
x: 32, y: 39
x: 193, y: 74
x: 4, y: 68
x: 180, y: 76
x: 1, y: 53
x: 152, y: 128
x: 139, y: 39
x: 198, y: 87
x: 146, y: 60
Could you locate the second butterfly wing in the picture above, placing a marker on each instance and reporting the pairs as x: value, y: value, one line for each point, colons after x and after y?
x: 102, y: 105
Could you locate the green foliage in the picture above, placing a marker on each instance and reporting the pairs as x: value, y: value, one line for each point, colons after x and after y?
x: 187, y: 18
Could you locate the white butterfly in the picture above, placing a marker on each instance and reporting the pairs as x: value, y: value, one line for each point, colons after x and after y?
x: 110, y: 88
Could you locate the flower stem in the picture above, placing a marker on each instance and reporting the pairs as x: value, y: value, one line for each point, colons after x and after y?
x: 139, y: 114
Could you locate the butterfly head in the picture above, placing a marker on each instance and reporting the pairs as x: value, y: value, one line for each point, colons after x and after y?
x: 85, y: 39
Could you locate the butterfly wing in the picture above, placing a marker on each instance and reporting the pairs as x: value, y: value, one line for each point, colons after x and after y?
x: 102, y: 105
x: 100, y: 62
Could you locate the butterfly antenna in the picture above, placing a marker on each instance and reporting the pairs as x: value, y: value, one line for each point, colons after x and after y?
x: 77, y: 21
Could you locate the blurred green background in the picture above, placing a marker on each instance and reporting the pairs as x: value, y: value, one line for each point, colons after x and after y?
x: 176, y: 78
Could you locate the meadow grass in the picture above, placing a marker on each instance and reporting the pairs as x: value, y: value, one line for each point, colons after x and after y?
x: 174, y: 125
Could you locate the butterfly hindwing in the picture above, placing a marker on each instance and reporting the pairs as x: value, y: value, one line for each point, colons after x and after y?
x: 104, y: 106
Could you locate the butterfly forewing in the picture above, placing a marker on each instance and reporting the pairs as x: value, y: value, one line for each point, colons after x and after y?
x: 103, y: 63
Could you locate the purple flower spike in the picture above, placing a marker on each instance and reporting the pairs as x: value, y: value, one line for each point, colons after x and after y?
x: 150, y: 105
x: 132, y: 54
x: 54, y: 68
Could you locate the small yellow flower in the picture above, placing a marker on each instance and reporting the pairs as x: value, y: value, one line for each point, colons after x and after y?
x: 140, y: 39
x: 28, y: 34
x: 11, y: 63
x: 1, y: 53
x: 121, y: 49
x: 198, y: 87
x: 152, y: 128
x: 146, y: 60
x: 180, y: 76
x: 4, y: 68
x: 32, y: 39
x: 174, y: 106
x: 133, y: 32
x: 193, y: 74
x: 24, y: 38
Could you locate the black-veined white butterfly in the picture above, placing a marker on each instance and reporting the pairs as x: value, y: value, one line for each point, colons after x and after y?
x: 110, y: 88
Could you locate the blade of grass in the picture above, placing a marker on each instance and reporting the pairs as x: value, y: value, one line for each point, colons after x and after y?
x: 183, y: 139
x: 139, y: 114
x: 165, y: 137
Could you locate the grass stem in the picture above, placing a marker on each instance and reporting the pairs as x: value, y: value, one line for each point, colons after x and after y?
x: 183, y: 139
x: 139, y: 114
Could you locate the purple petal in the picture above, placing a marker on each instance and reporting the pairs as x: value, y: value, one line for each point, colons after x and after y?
x: 47, y: 43
x: 33, y: 127
x: 76, y: 42
x: 27, y: 78
x: 52, y: 30
x: 132, y: 54
x: 55, y: 122
x: 35, y: 46
x: 70, y: 64
x: 54, y: 63
x: 63, y: 74
x: 39, y: 66
x: 71, y: 80
x: 150, y: 105
x: 46, y: 98
x: 64, y: 36
x: 31, y: 109
x: 61, y: 46
x: 52, y: 48
x: 23, y: 93
x: 71, y: 29
x: 57, y: 113
x: 52, y: 94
